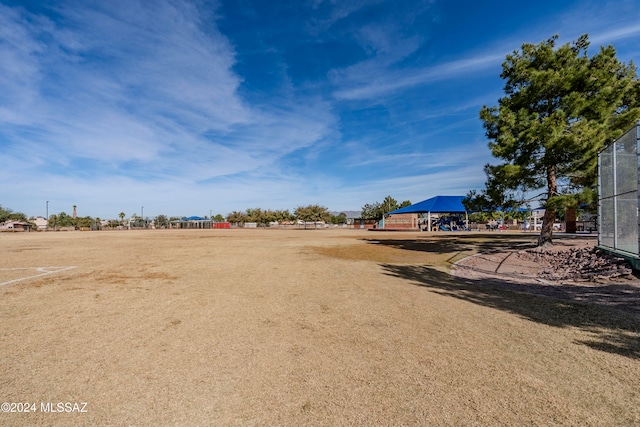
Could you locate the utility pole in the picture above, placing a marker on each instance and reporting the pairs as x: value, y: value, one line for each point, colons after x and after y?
x: 388, y: 201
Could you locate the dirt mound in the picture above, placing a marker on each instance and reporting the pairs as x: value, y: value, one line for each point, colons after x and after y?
x: 575, y: 261
x: 578, y: 264
x: 575, y: 271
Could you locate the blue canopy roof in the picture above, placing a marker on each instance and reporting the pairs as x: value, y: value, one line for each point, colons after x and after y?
x: 194, y: 218
x: 438, y: 204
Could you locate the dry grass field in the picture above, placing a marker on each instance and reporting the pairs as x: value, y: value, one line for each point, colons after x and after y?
x: 291, y: 328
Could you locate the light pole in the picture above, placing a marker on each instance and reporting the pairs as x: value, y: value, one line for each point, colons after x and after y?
x: 142, y: 216
x: 46, y: 227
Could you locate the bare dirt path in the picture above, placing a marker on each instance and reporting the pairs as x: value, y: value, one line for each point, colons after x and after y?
x: 334, y: 327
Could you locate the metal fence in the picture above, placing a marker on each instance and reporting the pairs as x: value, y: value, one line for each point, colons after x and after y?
x: 618, y: 193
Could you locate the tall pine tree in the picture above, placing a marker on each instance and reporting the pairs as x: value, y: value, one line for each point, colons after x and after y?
x: 560, y: 108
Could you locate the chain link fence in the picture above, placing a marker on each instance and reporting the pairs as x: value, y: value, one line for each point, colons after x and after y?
x: 618, y: 193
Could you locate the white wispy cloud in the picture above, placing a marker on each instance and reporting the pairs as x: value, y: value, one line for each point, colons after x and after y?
x: 19, y: 68
x: 439, y: 159
x: 136, y: 89
x: 338, y: 10
x: 112, y: 80
x: 415, y: 187
x: 378, y: 77
x: 614, y: 34
x: 383, y: 83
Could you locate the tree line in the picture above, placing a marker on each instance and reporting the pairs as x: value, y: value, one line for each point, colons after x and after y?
x: 377, y: 210
x: 308, y: 213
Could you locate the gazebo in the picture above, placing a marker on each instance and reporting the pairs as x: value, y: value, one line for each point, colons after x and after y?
x: 437, y: 204
x: 193, y: 222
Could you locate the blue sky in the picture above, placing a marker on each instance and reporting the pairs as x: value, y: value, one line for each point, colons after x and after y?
x: 192, y: 107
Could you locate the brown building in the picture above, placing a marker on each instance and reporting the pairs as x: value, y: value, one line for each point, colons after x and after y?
x: 406, y: 221
x: 361, y: 223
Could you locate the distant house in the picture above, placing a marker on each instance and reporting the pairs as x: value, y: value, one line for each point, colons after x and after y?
x: 14, y: 226
x: 41, y: 222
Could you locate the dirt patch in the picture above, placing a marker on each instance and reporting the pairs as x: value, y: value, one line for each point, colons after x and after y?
x: 383, y: 253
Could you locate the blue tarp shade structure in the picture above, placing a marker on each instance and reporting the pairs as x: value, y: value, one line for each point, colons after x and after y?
x: 194, y: 218
x: 438, y: 204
